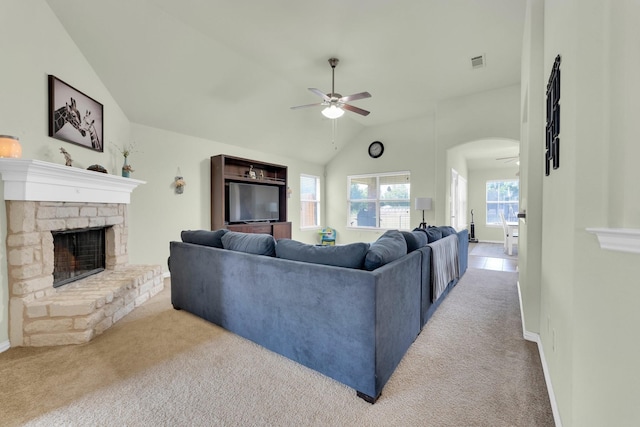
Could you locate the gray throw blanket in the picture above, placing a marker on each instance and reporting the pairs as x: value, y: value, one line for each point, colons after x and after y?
x: 444, y: 263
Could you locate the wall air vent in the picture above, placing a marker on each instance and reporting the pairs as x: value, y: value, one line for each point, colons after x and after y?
x: 478, y: 62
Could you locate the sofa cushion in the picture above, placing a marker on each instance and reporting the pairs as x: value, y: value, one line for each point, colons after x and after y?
x: 204, y: 237
x: 389, y: 247
x: 349, y: 256
x: 414, y: 239
x: 259, y: 244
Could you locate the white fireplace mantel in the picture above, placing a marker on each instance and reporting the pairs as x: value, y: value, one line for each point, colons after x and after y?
x: 35, y: 180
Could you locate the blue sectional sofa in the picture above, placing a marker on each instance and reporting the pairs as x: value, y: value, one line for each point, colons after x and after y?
x: 349, y: 312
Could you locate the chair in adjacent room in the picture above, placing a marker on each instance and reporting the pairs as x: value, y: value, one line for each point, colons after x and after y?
x: 510, y: 235
x: 327, y: 236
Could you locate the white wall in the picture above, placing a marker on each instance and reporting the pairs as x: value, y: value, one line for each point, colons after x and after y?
x: 588, y: 312
x: 34, y: 44
x: 623, y: 92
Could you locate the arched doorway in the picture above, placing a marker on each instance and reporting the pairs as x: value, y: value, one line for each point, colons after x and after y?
x: 469, y: 166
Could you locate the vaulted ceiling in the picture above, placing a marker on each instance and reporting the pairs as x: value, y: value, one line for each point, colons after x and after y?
x: 228, y: 70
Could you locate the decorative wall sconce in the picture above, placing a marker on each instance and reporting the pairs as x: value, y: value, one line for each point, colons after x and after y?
x: 10, y: 147
x: 423, y: 204
x: 179, y: 182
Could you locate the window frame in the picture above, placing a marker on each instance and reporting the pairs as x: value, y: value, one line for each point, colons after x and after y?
x: 378, y: 201
x: 317, y: 201
x: 515, y: 202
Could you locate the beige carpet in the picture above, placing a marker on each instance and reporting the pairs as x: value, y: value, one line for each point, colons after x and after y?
x: 161, y: 367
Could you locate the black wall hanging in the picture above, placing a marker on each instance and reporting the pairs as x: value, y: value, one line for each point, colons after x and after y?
x: 552, y: 143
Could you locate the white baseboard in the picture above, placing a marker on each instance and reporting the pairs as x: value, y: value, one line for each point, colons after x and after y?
x: 4, y: 346
x: 533, y: 337
x: 166, y: 274
x: 524, y: 330
x: 530, y: 336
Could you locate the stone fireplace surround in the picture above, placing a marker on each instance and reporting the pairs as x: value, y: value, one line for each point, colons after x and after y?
x: 43, y: 197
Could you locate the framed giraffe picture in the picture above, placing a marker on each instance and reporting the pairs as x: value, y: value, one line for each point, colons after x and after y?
x: 75, y: 117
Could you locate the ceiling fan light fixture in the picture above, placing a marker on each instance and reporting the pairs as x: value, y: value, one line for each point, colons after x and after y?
x: 332, y: 112
x: 334, y: 102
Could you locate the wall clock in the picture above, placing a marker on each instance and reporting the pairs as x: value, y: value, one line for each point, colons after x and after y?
x: 376, y: 149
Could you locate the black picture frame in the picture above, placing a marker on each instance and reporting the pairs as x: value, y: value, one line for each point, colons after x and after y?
x: 552, y: 132
x: 74, y: 116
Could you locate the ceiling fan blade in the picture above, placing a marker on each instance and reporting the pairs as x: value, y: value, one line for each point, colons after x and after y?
x: 307, y: 105
x: 355, y: 109
x: 320, y: 94
x: 355, y: 96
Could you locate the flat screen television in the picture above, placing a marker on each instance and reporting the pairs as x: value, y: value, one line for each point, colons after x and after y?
x: 253, y: 202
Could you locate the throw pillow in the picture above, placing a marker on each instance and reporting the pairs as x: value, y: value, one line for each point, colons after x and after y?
x: 349, y: 256
x: 389, y: 247
x: 446, y: 230
x: 204, y: 237
x: 433, y: 234
x: 421, y: 238
x: 258, y: 244
x: 414, y: 240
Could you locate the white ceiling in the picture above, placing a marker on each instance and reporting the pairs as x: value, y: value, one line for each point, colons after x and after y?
x: 228, y: 70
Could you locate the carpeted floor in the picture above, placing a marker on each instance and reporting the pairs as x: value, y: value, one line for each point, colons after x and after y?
x: 470, y: 366
x: 492, y: 250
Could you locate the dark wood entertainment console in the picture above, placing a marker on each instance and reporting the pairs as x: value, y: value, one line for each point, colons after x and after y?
x: 228, y: 169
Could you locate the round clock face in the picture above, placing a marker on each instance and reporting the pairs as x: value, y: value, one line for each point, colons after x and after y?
x: 376, y: 149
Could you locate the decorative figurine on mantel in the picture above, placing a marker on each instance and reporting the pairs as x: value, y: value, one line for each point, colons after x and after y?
x: 67, y: 157
x: 97, y: 168
x: 251, y: 173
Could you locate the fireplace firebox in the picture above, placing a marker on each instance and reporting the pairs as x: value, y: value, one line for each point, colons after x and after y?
x: 77, y: 254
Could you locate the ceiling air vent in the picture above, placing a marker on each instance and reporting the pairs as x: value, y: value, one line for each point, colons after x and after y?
x: 478, y: 62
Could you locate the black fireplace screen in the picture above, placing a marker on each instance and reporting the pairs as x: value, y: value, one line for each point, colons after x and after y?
x: 77, y: 254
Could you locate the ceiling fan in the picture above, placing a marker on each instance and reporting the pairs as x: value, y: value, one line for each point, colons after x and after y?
x: 334, y: 102
x: 510, y: 159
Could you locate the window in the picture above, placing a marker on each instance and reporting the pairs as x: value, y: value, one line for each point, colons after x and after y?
x: 309, y: 201
x: 379, y: 201
x: 502, y: 196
